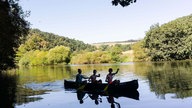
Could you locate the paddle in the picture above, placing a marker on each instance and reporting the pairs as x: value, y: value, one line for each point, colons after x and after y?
x: 81, y: 87
x: 105, y: 89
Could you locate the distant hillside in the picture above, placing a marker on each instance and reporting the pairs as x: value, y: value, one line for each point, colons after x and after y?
x: 46, y: 41
x: 43, y: 48
x: 115, y: 42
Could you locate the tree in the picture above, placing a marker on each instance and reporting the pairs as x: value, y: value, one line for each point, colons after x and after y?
x: 59, y: 54
x: 170, y: 41
x: 123, y: 3
x: 13, y: 27
x: 115, y: 52
x: 140, y: 53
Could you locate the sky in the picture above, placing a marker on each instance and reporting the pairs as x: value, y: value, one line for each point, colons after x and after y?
x: 93, y: 21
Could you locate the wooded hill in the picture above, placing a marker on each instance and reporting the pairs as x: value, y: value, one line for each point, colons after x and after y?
x: 42, y: 48
x: 39, y: 40
x: 167, y: 42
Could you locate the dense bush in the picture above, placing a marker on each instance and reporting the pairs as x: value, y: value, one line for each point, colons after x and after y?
x: 91, y: 58
x: 59, y: 54
x: 140, y: 53
x: 170, y: 41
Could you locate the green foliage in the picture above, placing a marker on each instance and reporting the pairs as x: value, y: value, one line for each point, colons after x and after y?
x: 115, y: 53
x: 46, y: 41
x: 59, y: 54
x: 171, y: 41
x: 91, y: 58
x: 104, y: 47
x: 59, y: 48
x: 25, y: 60
x: 35, y: 42
x: 42, y: 48
x: 104, y: 54
x: 140, y: 53
x: 13, y: 27
x: 125, y: 47
x: 34, y: 58
x: 38, y: 58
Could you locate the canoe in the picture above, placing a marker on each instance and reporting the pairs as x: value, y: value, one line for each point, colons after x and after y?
x: 121, y: 87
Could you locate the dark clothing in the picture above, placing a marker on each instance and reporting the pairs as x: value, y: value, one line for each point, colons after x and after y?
x: 79, y: 78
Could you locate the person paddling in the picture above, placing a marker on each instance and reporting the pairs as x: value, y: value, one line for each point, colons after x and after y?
x: 93, y: 77
x: 109, y: 77
x: 79, y: 77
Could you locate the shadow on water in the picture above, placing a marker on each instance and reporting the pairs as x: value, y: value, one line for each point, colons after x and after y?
x: 8, y: 86
x: 97, y: 90
x: 97, y: 97
x: 11, y: 93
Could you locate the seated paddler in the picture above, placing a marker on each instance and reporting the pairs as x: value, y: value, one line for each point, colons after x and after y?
x: 110, y: 75
x: 93, y: 77
x: 80, y: 77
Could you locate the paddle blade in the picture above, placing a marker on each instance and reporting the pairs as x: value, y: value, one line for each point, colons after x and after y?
x: 105, y: 89
x: 81, y: 87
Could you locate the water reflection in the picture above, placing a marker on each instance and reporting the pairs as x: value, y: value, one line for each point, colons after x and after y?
x: 111, y: 100
x: 80, y: 96
x: 162, y: 78
x: 8, y: 86
x: 11, y: 93
x: 173, y: 77
x: 97, y: 97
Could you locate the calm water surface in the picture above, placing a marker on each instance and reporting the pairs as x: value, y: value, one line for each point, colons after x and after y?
x: 161, y: 85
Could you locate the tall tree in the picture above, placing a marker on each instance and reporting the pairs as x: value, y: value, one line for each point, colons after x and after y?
x: 13, y: 27
x: 170, y: 41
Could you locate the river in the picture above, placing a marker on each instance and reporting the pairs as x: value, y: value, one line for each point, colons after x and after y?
x: 161, y: 85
